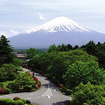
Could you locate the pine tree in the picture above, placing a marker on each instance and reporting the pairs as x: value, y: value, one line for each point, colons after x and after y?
x: 5, y: 51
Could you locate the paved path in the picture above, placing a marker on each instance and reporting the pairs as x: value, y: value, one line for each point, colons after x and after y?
x: 47, y: 95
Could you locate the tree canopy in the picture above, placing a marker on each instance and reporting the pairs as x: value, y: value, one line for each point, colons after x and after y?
x: 89, y: 95
x: 62, y: 60
x: 83, y: 72
x: 31, y: 53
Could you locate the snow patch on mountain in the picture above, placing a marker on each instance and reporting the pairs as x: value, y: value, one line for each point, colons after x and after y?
x: 59, y: 24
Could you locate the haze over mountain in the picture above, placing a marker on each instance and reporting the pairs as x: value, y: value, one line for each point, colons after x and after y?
x: 60, y: 30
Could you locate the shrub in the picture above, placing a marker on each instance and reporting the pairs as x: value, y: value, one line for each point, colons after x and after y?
x: 15, y: 101
x: 18, y: 102
x: 28, y: 102
x: 28, y: 88
x: 14, y: 87
x: 23, y: 100
x: 67, y: 91
x: 35, y: 78
x: 6, y: 101
x: 2, y: 90
x: 38, y: 84
x: 17, y: 62
x: 23, y: 83
x: 7, y: 90
x: 1, y: 85
x: 18, y: 69
x: 16, y: 98
x: 3, y: 74
x: 7, y: 72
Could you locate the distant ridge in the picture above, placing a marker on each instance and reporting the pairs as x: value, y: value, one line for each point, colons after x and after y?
x: 57, y: 31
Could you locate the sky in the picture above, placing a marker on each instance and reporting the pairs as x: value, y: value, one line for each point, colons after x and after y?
x: 18, y: 16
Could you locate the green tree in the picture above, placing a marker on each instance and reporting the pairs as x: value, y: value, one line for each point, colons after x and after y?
x: 100, y: 54
x: 76, y: 47
x: 34, y: 64
x: 97, y: 50
x: 31, y: 53
x: 69, y: 47
x: 17, y: 62
x: 90, y: 47
x: 63, y: 47
x: 45, y: 61
x: 62, y: 60
x: 53, y: 48
x: 83, y: 72
x: 5, y: 51
x: 60, y: 48
x: 89, y: 95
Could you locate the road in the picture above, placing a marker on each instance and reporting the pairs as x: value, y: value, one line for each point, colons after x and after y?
x: 48, y: 94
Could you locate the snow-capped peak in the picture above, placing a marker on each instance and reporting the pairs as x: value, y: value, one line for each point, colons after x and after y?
x: 59, y: 24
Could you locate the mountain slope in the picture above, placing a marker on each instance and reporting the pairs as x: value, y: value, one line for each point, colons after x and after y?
x: 59, y: 24
x: 57, y: 31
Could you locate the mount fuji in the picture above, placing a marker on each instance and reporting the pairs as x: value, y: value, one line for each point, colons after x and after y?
x: 60, y: 30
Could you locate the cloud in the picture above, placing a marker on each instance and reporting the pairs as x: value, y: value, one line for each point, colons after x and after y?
x: 13, y: 32
x: 4, y: 11
x: 41, y: 16
x: 9, y: 33
x: 2, y: 33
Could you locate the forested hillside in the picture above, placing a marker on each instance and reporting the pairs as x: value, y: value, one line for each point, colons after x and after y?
x: 78, y: 71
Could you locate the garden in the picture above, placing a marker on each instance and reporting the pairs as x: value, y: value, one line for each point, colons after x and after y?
x: 13, y: 80
x: 12, y: 77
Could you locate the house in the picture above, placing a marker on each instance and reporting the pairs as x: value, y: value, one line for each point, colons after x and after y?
x: 19, y: 55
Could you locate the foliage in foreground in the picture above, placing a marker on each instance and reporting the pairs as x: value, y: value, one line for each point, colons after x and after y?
x: 83, y: 72
x: 15, y: 101
x: 89, y: 95
x: 5, y: 51
x: 13, y: 79
x: 23, y: 82
x: 8, y: 72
